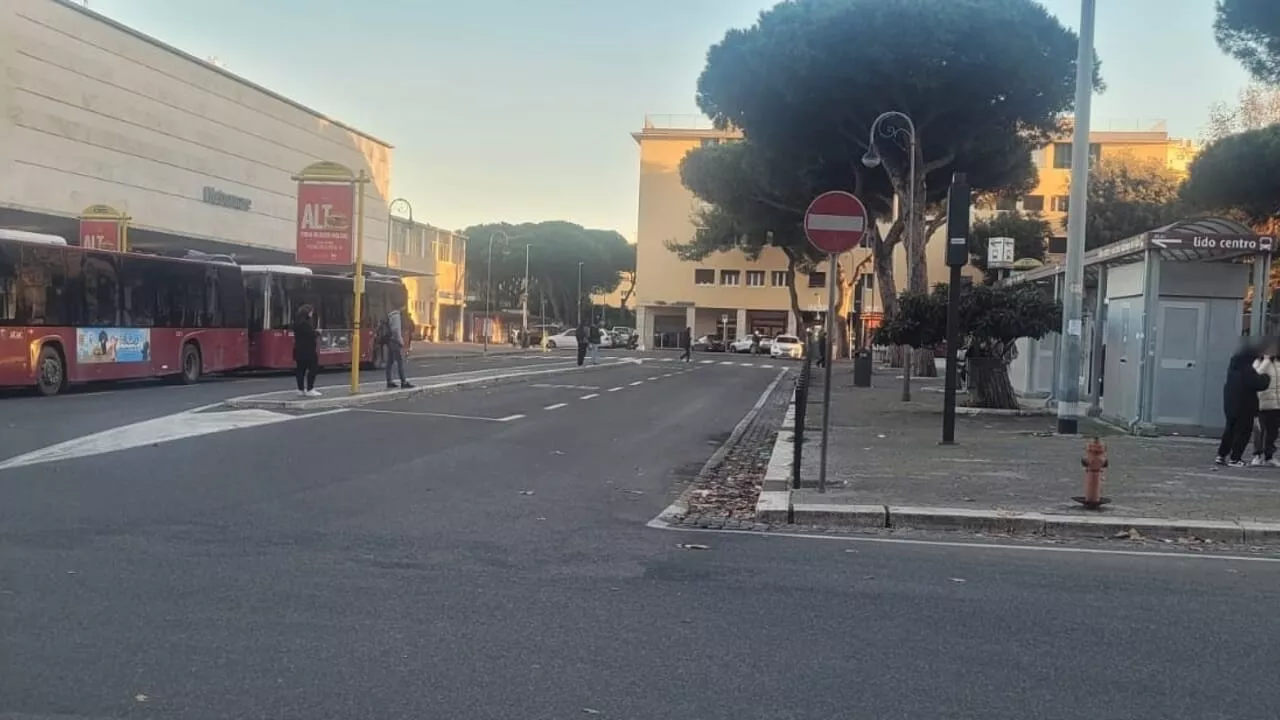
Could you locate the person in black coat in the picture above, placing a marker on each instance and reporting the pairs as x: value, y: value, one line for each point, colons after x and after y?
x: 582, y: 336
x: 306, y: 356
x: 1240, y: 402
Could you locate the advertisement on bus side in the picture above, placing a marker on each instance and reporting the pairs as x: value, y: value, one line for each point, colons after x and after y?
x: 113, y: 345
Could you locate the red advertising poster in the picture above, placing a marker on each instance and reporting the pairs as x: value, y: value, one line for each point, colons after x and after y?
x: 325, y: 220
x: 100, y: 233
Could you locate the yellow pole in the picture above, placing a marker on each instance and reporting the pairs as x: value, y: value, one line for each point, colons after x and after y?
x: 358, y: 285
x: 124, y: 232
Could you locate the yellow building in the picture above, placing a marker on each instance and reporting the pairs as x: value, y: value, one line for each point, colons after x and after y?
x: 1053, y: 162
x: 434, y: 263
x: 725, y: 294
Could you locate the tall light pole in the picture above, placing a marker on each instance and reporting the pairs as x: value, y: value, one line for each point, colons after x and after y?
x: 524, y: 300
x: 488, y: 289
x: 1073, y: 296
x: 390, y: 207
x: 872, y: 159
x: 580, y: 264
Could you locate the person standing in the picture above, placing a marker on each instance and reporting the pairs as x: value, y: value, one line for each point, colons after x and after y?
x: 593, y: 343
x: 755, y: 342
x: 1267, y: 426
x: 306, y: 356
x: 581, y: 336
x: 1247, y: 374
x: 686, y: 344
x: 393, y: 336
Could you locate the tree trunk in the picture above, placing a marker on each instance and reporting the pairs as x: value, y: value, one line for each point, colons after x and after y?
x: 989, y: 385
x: 924, y: 365
x: 792, y: 294
x: 843, y: 285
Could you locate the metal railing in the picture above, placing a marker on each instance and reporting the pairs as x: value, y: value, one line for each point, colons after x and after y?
x: 802, y: 408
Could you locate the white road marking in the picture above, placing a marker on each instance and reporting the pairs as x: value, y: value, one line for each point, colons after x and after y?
x: 725, y: 362
x: 667, y: 375
x: 665, y: 359
x: 706, y: 362
x: 769, y: 367
x: 426, y: 414
x: 509, y: 418
x: 152, y: 432
x: 746, y: 364
x: 655, y: 377
x: 638, y: 382
x: 588, y: 397
x: 614, y: 389
x: 556, y: 406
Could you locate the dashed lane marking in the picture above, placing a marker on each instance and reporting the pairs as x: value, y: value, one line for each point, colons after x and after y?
x: 614, y: 389
x: 451, y: 416
x: 588, y: 397
x: 556, y: 406
x: 638, y: 382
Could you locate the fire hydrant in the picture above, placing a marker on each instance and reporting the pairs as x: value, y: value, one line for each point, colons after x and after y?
x: 1094, y: 462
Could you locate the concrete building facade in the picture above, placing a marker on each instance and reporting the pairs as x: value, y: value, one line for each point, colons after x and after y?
x: 93, y: 112
x: 433, y: 261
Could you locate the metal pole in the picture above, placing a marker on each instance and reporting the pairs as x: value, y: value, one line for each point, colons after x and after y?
x: 1261, y: 295
x: 1073, y: 294
x: 358, y: 281
x: 524, y: 301
x: 579, y: 295
x: 826, y: 370
x: 909, y: 356
x: 390, y: 205
x: 958, y: 204
x: 488, y: 297
x: 1099, y: 340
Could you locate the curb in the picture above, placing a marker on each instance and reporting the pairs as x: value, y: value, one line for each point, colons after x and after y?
x: 261, y: 401
x: 775, y: 507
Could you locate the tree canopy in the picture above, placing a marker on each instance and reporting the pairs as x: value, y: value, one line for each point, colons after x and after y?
x: 1237, y: 176
x: 1249, y: 31
x: 1028, y: 230
x: 1127, y: 196
x: 1257, y: 106
x: 983, y: 81
x: 555, y: 249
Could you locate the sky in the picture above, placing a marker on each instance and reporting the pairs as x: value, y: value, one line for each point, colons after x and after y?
x: 521, y: 110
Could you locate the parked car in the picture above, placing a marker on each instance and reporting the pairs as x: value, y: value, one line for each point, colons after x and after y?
x: 625, y: 337
x: 564, y: 339
x: 786, y: 346
x: 606, y: 339
x: 708, y: 343
x: 743, y: 345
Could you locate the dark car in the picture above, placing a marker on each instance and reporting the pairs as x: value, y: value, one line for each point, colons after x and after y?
x: 708, y: 343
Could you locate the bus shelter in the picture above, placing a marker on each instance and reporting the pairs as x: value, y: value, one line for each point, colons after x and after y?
x: 1167, y: 311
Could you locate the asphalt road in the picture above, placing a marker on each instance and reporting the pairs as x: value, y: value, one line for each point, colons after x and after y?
x: 441, y: 558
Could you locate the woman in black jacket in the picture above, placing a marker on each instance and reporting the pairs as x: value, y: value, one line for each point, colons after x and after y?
x: 1240, y: 402
x: 306, y: 357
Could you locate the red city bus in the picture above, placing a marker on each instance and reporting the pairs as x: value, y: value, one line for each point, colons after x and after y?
x: 69, y: 314
x: 275, y: 292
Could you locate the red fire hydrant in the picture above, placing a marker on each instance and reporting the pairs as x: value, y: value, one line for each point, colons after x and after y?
x: 1094, y: 462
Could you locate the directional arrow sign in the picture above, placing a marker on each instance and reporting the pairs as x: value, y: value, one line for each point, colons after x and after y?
x: 1165, y: 242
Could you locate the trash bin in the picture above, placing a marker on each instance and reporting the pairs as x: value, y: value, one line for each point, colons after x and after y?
x: 862, y: 368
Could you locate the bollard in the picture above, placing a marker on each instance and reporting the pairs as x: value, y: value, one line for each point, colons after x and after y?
x: 1094, y: 462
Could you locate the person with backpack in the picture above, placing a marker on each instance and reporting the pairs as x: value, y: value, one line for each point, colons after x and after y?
x: 391, y: 335
x: 593, y: 343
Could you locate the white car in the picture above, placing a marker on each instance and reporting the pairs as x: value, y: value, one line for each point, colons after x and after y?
x: 743, y: 345
x: 786, y: 346
x: 564, y: 339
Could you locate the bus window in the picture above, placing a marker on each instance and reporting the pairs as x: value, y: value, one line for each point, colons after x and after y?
x: 231, y: 296
x: 42, y: 286
x: 210, y: 307
x: 138, y: 308
x: 101, y: 290
x: 9, y: 257
x: 255, y: 291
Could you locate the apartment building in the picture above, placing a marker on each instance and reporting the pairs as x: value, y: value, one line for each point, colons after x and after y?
x: 433, y: 262
x: 726, y: 294
x: 1141, y: 141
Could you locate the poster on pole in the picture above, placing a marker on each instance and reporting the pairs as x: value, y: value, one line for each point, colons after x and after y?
x: 326, y: 213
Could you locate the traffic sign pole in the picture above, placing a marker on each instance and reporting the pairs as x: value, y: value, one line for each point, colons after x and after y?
x: 834, y: 223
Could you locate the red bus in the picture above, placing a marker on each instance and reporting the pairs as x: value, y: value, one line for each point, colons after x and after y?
x: 275, y: 292
x: 69, y: 314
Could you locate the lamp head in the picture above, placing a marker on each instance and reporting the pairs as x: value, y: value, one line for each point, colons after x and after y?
x: 872, y: 158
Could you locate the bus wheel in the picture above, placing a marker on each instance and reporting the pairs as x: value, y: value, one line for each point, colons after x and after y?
x: 53, y: 372
x: 191, y: 365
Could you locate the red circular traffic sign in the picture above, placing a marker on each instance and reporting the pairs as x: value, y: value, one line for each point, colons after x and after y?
x: 835, y: 221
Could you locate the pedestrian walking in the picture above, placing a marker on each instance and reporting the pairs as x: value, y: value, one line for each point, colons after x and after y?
x: 755, y: 342
x: 393, y: 341
x: 686, y: 343
x: 1267, y: 426
x: 581, y: 336
x: 823, y: 347
x: 1247, y: 373
x: 593, y: 343
x: 306, y: 356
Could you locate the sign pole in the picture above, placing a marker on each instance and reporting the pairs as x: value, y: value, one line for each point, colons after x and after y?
x: 957, y: 257
x: 358, y: 286
x: 826, y: 368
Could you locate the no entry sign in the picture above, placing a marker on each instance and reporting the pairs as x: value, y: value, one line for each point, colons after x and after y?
x: 835, y: 222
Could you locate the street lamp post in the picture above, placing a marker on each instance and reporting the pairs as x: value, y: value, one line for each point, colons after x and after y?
x: 488, y: 289
x: 580, y: 264
x: 872, y: 159
x: 390, y: 207
x: 524, y: 300
x: 1073, y: 295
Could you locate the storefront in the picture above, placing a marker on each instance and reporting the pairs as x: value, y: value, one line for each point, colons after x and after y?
x: 95, y: 113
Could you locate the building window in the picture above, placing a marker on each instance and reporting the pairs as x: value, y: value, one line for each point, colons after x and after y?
x: 1033, y: 203
x: 1062, y: 155
x: 442, y: 250
x: 755, y: 278
x: 730, y: 277
x: 704, y: 277
x: 779, y: 278
x: 817, y: 279
x: 710, y: 141
x: 1059, y: 203
x: 1006, y: 203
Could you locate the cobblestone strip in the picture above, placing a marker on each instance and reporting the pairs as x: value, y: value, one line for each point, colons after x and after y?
x: 723, y: 496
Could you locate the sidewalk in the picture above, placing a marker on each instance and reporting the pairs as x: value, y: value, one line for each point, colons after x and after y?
x: 1007, y: 474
